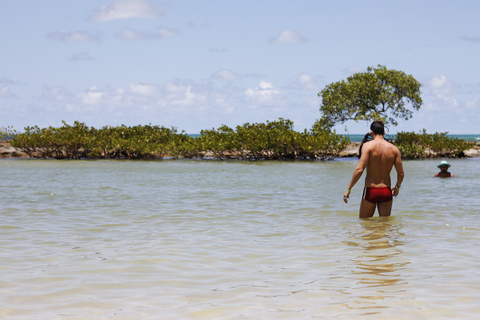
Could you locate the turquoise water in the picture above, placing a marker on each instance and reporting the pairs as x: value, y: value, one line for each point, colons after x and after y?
x: 193, y: 239
x: 466, y: 137
x: 359, y: 137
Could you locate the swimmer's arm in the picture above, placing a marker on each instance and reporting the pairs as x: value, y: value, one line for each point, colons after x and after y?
x: 357, y: 173
x: 400, y: 173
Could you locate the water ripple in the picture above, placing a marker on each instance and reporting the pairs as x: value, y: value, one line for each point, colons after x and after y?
x: 216, y: 240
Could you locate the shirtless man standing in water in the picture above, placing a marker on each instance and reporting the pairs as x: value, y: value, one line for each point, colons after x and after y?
x: 378, y: 156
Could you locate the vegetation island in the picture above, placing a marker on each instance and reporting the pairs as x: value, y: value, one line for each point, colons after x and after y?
x: 379, y: 93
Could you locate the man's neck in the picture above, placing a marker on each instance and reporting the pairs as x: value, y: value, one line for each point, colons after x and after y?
x: 377, y: 137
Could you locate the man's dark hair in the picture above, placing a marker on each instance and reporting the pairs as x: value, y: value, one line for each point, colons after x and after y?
x: 377, y: 127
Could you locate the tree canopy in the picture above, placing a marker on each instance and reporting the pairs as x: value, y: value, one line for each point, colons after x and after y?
x: 378, y: 94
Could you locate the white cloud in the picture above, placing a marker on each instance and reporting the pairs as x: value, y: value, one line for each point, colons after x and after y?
x: 305, y: 78
x: 180, y: 94
x: 165, y: 33
x: 6, y: 107
x: 142, y: 89
x: 57, y: 93
x: 449, y: 102
x: 159, y: 33
x: 473, y: 104
x: 75, y: 36
x: 264, y: 94
x: 445, y: 94
x: 6, y: 93
x: 129, y: 34
x: 222, y: 102
x: 126, y: 9
x: 352, y: 70
x: 225, y: 75
x: 91, y: 96
x: 304, y: 81
x: 288, y: 36
x: 183, y: 95
x: 440, y: 85
x: 188, y: 104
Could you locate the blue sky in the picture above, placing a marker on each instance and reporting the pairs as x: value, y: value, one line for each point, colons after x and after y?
x: 197, y: 65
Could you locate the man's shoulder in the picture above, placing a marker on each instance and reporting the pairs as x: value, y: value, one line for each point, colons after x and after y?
x: 385, y: 143
x: 390, y: 145
x: 383, y: 148
x: 394, y: 146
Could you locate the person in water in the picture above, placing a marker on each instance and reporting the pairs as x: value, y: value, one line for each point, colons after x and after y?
x: 379, y: 157
x: 444, y: 165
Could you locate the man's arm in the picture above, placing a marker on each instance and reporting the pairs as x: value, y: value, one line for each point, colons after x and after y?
x: 357, y: 173
x: 400, y: 173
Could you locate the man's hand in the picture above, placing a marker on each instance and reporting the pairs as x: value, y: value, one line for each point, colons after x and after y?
x: 346, y: 195
x: 395, y: 191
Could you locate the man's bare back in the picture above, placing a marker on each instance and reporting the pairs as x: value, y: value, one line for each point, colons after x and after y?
x: 379, y: 157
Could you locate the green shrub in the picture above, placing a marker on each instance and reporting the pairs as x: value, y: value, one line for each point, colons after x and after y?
x: 423, y: 145
x: 270, y: 140
x: 273, y: 140
x: 7, y: 134
x: 79, y: 141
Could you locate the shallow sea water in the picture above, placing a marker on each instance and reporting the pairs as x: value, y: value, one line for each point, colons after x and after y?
x: 185, y: 239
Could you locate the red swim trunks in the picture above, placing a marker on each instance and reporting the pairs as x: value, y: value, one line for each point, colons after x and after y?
x: 377, y: 195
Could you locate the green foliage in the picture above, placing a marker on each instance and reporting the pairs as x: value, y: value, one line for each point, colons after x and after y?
x: 422, y: 145
x: 328, y: 140
x: 7, y: 134
x: 273, y: 140
x: 270, y: 140
x: 79, y: 141
x: 378, y: 94
x: 220, y: 143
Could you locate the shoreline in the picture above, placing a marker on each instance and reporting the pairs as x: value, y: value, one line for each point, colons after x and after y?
x: 8, y: 152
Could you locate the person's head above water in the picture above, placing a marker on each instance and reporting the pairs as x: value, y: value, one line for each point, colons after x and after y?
x: 444, y: 163
x: 443, y: 166
x: 378, y: 127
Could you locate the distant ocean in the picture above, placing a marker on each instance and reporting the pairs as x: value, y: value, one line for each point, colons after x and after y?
x: 467, y: 137
x: 359, y: 137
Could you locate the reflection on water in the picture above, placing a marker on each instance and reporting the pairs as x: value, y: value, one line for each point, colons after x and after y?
x: 379, y: 263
